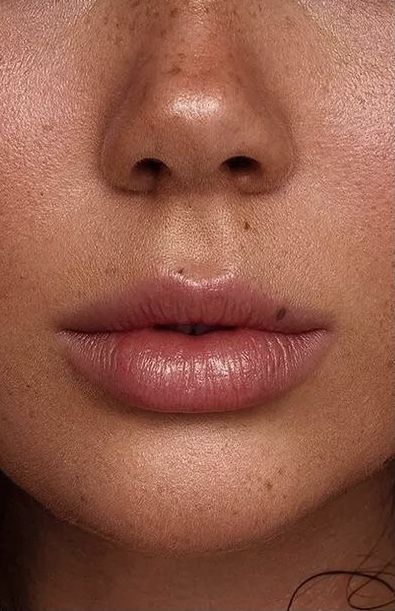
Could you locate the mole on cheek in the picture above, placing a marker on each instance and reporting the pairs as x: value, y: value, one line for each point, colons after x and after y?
x: 247, y: 226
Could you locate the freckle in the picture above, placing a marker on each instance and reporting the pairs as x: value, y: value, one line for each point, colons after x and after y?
x: 42, y: 193
x: 174, y: 70
x: 247, y: 226
x: 281, y: 471
x: 180, y: 271
x: 281, y: 313
x: 289, y: 22
x: 268, y: 485
x: 174, y: 13
x: 110, y: 270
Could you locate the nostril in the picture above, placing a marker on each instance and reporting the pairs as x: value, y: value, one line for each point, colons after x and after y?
x: 145, y: 173
x: 150, y: 165
x: 242, y: 165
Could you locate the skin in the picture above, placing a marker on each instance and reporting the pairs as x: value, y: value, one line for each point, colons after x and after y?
x: 125, y: 509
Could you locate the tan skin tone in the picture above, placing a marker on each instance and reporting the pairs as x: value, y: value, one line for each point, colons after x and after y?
x: 125, y: 509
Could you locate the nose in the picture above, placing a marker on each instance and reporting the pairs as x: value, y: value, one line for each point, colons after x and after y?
x: 198, y: 121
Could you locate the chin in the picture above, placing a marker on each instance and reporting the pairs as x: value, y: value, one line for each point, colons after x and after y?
x: 209, y: 520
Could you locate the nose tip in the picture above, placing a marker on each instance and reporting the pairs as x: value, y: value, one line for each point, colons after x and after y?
x: 213, y: 130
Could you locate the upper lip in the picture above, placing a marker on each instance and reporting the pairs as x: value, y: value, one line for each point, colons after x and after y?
x: 171, y: 300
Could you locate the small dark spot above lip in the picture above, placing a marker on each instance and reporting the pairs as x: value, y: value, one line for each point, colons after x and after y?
x: 281, y: 313
x: 247, y: 226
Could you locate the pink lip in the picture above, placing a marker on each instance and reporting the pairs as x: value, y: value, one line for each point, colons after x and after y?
x: 273, y: 347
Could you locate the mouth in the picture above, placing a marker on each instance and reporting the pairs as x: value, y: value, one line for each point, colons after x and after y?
x: 193, y: 329
x: 174, y: 346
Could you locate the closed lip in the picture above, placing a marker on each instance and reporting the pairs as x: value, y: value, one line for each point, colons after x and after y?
x: 175, y: 300
x: 272, y: 345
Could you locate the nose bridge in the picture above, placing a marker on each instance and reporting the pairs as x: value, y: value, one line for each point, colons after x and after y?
x: 192, y: 84
x: 194, y: 103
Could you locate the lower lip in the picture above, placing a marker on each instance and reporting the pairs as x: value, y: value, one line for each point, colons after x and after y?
x: 167, y: 371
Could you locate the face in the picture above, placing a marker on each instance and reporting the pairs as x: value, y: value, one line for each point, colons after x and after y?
x: 87, y: 88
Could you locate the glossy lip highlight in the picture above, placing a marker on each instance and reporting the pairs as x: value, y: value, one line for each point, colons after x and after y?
x: 271, y: 348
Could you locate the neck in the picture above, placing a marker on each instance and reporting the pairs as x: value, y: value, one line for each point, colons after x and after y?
x: 75, y: 569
